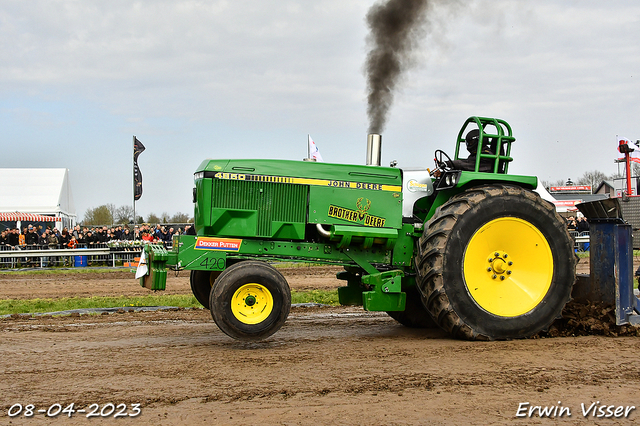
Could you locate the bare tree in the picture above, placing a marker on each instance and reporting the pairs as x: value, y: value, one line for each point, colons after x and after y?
x: 616, y: 175
x: 549, y: 183
x: 123, y: 215
x: 112, y: 211
x: 593, y: 178
x: 101, y: 215
x: 180, y: 218
x: 153, y: 219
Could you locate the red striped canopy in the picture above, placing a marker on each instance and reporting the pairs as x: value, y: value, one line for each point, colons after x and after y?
x: 14, y: 216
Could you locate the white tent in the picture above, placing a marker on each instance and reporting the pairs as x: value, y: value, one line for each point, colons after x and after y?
x: 43, y: 192
x: 561, y: 205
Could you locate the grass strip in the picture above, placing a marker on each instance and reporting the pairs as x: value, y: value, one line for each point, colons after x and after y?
x: 31, y: 306
x: 326, y: 297
x: 23, y: 306
x: 109, y: 269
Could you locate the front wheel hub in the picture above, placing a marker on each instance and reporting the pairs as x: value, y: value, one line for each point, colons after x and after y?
x: 499, y: 265
x: 252, y: 303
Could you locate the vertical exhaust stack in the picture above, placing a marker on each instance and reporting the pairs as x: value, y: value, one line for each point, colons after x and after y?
x: 374, y: 149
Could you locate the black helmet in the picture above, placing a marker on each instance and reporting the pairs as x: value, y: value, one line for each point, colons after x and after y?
x: 471, y: 140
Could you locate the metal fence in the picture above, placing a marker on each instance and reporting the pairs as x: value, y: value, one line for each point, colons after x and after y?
x: 45, y: 256
x: 581, y: 240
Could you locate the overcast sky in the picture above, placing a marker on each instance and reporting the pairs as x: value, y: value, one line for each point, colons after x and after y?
x: 250, y: 79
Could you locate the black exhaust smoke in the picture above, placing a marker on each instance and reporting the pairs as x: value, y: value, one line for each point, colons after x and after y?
x: 396, y: 28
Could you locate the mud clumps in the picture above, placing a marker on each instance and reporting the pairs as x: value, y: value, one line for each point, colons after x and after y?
x: 588, y: 319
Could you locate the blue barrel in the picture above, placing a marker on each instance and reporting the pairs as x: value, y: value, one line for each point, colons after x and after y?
x: 79, y: 261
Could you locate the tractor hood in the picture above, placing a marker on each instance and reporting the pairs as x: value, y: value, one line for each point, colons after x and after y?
x: 276, y: 198
x: 305, y: 173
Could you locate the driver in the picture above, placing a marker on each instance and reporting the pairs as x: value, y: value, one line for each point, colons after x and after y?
x: 469, y: 164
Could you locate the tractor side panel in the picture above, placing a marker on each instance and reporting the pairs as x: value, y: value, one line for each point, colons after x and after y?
x: 360, y: 207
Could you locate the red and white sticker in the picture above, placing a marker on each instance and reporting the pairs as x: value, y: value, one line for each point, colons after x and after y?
x: 222, y: 244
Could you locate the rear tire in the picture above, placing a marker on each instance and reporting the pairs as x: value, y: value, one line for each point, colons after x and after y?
x: 201, y: 284
x: 250, y: 300
x: 415, y: 315
x: 495, y: 262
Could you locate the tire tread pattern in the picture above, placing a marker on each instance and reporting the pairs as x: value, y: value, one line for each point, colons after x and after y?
x: 433, y: 243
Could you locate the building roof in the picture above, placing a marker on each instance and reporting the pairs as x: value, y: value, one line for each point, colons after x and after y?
x: 41, y: 191
x: 584, y: 197
x: 608, y: 184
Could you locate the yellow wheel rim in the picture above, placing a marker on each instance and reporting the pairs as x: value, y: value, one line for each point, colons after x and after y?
x: 508, y: 267
x: 252, y: 303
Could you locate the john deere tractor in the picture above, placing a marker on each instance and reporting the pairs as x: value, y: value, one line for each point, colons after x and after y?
x: 465, y: 246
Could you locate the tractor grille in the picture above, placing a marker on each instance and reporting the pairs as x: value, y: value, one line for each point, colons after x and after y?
x: 274, y: 202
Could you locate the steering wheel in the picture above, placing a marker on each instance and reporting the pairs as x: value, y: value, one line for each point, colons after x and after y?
x: 443, y: 161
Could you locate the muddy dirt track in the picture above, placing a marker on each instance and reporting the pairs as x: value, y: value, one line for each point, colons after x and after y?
x: 328, y: 366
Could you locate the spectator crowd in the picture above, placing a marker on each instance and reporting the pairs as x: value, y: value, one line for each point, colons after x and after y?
x: 578, y: 224
x: 35, y: 237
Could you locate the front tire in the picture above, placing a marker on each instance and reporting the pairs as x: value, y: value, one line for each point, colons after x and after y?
x: 250, y: 300
x: 495, y: 262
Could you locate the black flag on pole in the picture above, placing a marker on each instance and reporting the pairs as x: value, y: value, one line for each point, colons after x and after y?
x: 137, y: 174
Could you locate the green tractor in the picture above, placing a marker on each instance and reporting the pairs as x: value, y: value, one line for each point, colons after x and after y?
x: 466, y: 246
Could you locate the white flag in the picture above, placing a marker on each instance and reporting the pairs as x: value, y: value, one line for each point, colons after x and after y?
x: 634, y: 155
x: 142, y: 265
x: 314, y: 152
